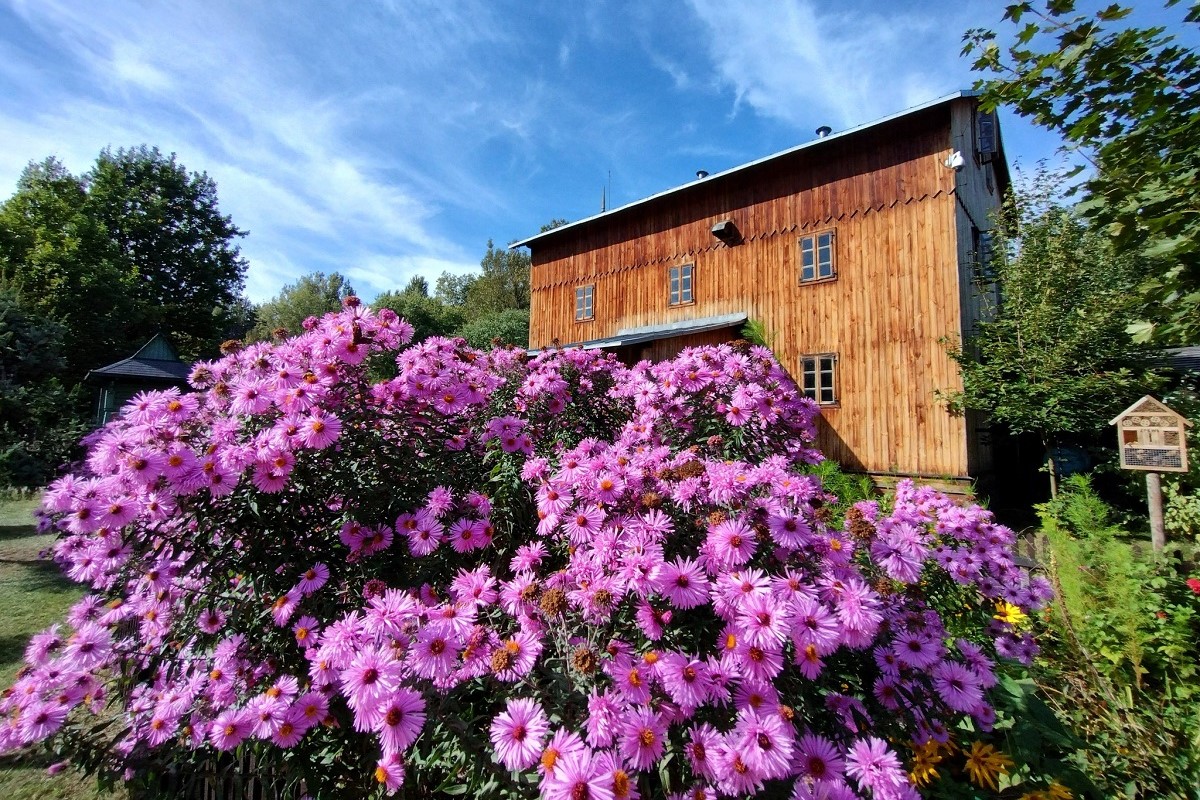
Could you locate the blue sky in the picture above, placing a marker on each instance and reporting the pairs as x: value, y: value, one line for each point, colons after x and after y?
x: 385, y: 139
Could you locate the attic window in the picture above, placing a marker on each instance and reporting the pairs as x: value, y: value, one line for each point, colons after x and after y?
x: 819, y: 377
x: 985, y: 136
x: 817, y: 257
x: 585, y: 308
x: 679, y: 281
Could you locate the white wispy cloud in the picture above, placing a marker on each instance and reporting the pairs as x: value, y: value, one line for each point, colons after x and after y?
x: 793, y: 59
x: 204, y: 82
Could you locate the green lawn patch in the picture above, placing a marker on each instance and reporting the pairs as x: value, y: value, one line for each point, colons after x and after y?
x: 33, y: 596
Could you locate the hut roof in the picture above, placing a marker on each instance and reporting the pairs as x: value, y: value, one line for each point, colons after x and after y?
x: 156, y: 361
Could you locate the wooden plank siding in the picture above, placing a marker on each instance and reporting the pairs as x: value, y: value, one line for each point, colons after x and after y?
x: 890, y: 202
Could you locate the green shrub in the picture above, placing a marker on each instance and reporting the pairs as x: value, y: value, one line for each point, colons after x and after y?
x: 1120, y: 661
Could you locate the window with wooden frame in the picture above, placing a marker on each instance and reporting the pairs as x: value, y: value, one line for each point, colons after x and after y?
x: 818, y: 257
x: 679, y: 285
x: 585, y: 307
x: 819, y: 377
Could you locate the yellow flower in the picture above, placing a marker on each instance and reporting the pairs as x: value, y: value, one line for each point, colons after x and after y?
x: 925, y: 760
x: 1007, y: 612
x: 1056, y: 791
x: 984, y: 764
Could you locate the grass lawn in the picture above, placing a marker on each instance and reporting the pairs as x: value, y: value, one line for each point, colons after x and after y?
x: 33, y: 595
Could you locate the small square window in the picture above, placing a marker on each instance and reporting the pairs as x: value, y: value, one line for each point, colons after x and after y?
x: 819, y: 378
x: 817, y: 257
x: 680, y: 280
x: 584, y: 302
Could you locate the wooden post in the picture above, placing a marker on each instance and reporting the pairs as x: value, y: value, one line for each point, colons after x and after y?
x: 1158, y: 535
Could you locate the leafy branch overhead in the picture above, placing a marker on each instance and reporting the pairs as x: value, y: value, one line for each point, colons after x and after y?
x: 1128, y: 100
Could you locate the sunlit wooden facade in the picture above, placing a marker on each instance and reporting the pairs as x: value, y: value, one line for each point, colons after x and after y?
x: 859, y: 252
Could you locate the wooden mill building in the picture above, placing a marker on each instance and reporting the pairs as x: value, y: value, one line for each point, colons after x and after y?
x: 858, y: 252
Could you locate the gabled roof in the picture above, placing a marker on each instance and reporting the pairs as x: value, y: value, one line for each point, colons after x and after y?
x: 965, y: 93
x: 1149, y: 405
x: 156, y: 361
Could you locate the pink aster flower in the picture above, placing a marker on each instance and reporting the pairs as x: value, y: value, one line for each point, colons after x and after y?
x: 683, y: 583
x: 308, y: 711
x: 518, y: 734
x: 389, y: 772
x: 40, y: 720
x: 371, y: 677
x: 701, y: 749
x: 435, y: 653
x: 818, y: 759
x: 320, y: 429
x: 231, y: 727
x: 643, y: 738
x: 764, y: 621
x: 732, y: 542
x: 521, y: 653
x: 287, y: 734
x: 284, y: 607
x: 958, y: 686
x: 876, y: 768
x: 306, y: 632
x: 313, y: 579
x: 584, y: 523
x: 401, y: 720
x: 578, y: 776
x: 685, y: 679
x: 563, y: 744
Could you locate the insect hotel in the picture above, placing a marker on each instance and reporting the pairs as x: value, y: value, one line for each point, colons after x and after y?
x: 1152, y: 437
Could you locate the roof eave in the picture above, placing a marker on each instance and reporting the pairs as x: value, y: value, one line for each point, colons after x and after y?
x: 962, y: 93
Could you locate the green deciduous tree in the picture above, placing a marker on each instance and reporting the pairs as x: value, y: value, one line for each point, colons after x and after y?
x: 502, y: 284
x: 134, y: 247
x: 1128, y: 98
x: 1054, y: 357
x: 429, y: 316
x: 312, y: 295
x: 57, y: 257
x: 169, y: 238
x: 508, y: 327
x: 40, y: 418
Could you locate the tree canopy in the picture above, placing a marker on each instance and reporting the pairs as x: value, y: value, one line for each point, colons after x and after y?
x: 170, y: 239
x: 1127, y: 98
x: 1054, y: 357
x: 312, y: 295
x: 135, y: 246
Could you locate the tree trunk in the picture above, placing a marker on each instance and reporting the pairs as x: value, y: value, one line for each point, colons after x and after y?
x: 1051, y: 468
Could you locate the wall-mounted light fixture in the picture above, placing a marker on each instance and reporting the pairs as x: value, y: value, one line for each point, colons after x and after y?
x: 727, y: 232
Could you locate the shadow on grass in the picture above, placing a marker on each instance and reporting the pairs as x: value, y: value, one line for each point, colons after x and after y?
x: 12, y: 649
x: 41, y: 576
x: 18, y: 532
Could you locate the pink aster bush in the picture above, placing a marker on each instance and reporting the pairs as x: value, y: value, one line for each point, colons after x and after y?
x: 552, y: 576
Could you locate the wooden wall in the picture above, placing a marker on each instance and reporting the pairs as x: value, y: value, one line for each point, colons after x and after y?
x: 891, y: 203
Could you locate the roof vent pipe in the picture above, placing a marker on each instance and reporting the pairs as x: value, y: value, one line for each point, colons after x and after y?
x: 824, y: 131
x: 701, y: 174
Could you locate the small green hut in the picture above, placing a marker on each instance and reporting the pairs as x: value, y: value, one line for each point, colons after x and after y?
x: 155, y: 366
